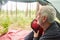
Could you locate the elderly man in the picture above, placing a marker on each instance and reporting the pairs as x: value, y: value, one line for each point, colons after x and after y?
x: 46, y: 20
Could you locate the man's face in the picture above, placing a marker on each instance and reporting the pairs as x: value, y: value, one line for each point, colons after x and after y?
x: 39, y: 17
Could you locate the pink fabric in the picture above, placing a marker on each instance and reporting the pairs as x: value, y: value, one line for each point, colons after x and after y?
x: 15, y: 35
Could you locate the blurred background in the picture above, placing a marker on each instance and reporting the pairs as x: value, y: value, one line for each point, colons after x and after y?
x: 18, y: 15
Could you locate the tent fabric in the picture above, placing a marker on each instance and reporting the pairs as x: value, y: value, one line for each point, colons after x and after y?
x: 15, y: 35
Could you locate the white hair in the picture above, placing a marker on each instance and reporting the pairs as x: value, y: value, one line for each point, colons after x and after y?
x: 48, y: 11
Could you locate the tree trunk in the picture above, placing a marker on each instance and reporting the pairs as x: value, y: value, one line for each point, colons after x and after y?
x: 30, y: 11
x: 26, y: 14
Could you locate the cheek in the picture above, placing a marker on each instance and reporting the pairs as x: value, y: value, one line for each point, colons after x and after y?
x: 40, y: 21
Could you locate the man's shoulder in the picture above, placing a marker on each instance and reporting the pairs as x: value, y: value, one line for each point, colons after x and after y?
x: 54, y: 30
x: 50, y: 36
x: 52, y: 33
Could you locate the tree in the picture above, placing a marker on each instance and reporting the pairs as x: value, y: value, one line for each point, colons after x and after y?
x: 26, y: 13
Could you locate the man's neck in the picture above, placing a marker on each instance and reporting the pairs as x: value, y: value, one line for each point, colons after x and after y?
x: 46, y: 25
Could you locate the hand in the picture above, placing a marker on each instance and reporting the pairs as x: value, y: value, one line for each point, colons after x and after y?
x: 36, y: 34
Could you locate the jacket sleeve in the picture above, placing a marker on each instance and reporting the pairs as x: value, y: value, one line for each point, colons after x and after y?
x: 35, y: 38
x: 29, y: 36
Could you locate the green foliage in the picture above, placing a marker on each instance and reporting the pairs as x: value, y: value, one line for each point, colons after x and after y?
x: 4, y: 22
x: 3, y: 31
x: 24, y: 21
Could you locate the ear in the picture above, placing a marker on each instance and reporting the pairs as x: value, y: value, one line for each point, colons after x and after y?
x: 44, y: 19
